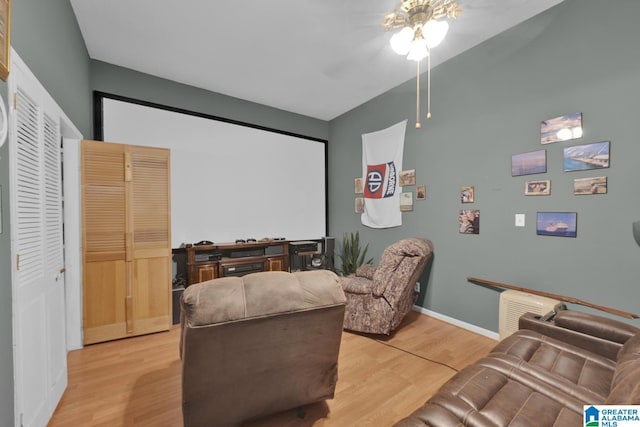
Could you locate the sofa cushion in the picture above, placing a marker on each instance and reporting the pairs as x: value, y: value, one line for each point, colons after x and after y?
x: 628, y: 360
x: 627, y: 389
x: 481, y: 395
x: 558, y: 363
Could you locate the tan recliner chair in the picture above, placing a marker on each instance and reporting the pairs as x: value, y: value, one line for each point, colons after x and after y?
x: 259, y: 344
x: 378, y: 297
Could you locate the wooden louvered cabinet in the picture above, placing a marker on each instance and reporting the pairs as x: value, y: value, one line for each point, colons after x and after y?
x: 126, y: 240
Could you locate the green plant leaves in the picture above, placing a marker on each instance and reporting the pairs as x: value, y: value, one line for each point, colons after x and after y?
x: 351, y: 255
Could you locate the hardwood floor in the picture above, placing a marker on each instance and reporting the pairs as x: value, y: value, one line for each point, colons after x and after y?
x: 137, y: 381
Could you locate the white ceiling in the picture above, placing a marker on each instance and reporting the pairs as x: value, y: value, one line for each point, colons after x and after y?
x: 319, y: 58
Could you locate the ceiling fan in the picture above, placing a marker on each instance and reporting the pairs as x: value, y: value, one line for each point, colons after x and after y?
x: 422, y: 27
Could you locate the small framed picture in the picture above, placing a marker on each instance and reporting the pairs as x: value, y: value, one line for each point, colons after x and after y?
x: 358, y: 185
x: 408, y: 177
x: 562, y: 224
x: 529, y: 163
x: 467, y: 194
x: 561, y: 128
x: 406, y: 201
x: 359, y: 206
x: 595, y: 185
x: 421, y: 192
x: 537, y: 188
x: 469, y: 221
x: 586, y: 157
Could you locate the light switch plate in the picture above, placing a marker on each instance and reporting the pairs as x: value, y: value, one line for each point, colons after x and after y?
x: 519, y: 220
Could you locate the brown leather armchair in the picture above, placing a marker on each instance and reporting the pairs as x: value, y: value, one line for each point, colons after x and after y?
x: 379, y: 297
x: 259, y: 344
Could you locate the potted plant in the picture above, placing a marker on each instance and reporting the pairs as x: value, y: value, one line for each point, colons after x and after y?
x: 351, y: 255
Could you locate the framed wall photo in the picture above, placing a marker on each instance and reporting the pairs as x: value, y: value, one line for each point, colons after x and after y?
x: 594, y: 185
x: 408, y: 177
x: 358, y: 185
x: 406, y: 201
x: 5, y: 38
x: 529, y: 163
x: 561, y: 128
x: 585, y: 157
x: 467, y: 194
x: 537, y: 188
x: 562, y: 224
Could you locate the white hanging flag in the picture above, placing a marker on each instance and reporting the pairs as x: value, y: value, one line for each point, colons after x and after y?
x: 381, y: 166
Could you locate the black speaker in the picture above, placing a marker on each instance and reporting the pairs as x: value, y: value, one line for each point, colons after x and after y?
x: 328, y: 249
x: 176, y: 294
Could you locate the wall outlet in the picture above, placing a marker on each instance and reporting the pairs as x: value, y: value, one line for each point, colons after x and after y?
x: 417, y: 288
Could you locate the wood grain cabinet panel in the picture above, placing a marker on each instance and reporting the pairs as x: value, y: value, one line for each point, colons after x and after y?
x: 126, y: 240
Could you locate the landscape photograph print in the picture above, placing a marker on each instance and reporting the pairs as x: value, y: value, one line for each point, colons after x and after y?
x: 529, y: 163
x: 586, y: 157
x: 562, y: 224
x: 593, y: 185
x: 561, y: 128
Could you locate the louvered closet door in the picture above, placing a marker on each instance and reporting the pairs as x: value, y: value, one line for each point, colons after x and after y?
x: 104, y: 198
x: 150, y: 238
x: 126, y: 240
x: 39, y: 307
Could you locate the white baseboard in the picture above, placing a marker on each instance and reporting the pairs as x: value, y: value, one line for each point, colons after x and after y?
x: 456, y: 322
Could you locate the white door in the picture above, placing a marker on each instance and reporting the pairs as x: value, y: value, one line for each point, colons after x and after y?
x: 40, y: 370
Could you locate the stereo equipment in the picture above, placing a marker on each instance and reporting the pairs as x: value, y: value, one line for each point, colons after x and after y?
x: 207, y: 256
x: 240, y: 253
x: 328, y: 249
x: 241, y: 270
x: 274, y: 250
x: 303, y: 247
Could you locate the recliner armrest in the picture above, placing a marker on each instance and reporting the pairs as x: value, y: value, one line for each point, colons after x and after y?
x: 582, y: 330
x: 609, y: 329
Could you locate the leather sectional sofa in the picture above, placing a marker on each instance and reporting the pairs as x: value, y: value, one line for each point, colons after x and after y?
x: 542, y: 376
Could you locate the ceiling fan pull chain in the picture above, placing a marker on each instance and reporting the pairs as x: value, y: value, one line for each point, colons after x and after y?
x: 429, y: 85
x: 418, y: 95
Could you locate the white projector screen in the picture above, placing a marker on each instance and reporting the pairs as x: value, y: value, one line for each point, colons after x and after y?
x: 228, y: 181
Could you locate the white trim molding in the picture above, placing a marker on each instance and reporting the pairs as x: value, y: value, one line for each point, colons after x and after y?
x: 468, y: 326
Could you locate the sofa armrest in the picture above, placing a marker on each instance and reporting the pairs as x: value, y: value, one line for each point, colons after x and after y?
x: 601, y: 327
x: 597, y: 334
x: 367, y: 271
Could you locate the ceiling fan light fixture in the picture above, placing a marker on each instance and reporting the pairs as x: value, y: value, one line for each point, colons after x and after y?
x: 434, y: 32
x: 418, y: 50
x: 401, y: 41
x: 423, y: 27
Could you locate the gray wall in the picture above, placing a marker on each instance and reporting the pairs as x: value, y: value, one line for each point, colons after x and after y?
x: 125, y: 82
x: 47, y: 37
x: 581, y: 56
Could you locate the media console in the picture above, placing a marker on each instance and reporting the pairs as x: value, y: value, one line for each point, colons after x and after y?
x: 198, y: 263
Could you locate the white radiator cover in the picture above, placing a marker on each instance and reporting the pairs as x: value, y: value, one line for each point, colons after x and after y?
x: 514, y: 304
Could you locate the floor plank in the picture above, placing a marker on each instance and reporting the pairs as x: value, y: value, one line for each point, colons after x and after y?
x: 137, y: 381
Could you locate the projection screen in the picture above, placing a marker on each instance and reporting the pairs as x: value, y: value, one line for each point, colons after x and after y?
x: 229, y: 180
